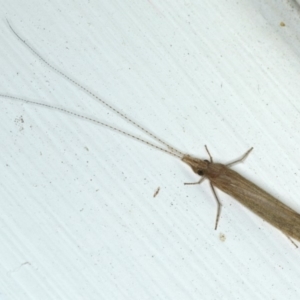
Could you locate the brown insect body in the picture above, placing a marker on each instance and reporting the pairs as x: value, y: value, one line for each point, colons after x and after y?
x: 250, y: 195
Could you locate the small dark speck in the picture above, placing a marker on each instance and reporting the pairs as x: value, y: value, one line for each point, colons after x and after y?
x: 282, y: 24
x: 19, y: 121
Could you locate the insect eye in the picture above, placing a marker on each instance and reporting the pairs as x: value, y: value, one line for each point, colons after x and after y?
x: 200, y: 172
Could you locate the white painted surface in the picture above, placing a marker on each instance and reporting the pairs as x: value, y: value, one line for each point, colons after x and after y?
x: 78, y: 217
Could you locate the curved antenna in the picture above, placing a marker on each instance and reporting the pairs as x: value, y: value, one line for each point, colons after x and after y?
x: 92, y: 94
x: 94, y: 121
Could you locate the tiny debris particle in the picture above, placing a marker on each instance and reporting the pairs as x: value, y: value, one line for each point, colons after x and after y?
x: 19, y: 121
x: 222, y: 237
x: 156, y: 192
x: 282, y: 24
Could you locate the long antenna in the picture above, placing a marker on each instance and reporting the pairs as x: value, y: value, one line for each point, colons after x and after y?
x: 92, y: 94
x: 92, y: 120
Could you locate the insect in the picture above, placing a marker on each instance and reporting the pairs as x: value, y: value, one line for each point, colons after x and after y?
x: 220, y: 176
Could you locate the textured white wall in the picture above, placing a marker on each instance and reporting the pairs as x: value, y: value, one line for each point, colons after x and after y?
x: 78, y: 218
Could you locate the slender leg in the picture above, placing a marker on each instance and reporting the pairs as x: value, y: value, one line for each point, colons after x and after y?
x: 292, y: 241
x: 241, y: 159
x: 219, y: 206
x: 198, y: 182
x: 210, y: 157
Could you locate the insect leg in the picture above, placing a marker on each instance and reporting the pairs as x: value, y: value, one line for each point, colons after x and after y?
x: 210, y: 157
x: 198, y: 182
x: 219, y: 206
x: 241, y: 159
x: 292, y: 241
